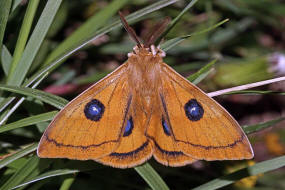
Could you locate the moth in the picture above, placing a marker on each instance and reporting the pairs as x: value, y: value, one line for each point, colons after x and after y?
x: 142, y: 109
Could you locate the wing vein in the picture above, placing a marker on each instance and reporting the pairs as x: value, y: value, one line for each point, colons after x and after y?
x: 181, y: 106
x: 108, y: 110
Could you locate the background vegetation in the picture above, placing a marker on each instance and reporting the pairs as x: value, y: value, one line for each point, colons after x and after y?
x: 61, y: 47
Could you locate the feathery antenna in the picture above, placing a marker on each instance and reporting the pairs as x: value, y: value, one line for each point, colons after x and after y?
x: 130, y: 31
x: 157, y: 30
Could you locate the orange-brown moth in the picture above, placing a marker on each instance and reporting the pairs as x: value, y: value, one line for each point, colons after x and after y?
x: 143, y: 109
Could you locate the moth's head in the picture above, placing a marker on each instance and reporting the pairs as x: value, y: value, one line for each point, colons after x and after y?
x: 152, y: 51
x: 148, y: 48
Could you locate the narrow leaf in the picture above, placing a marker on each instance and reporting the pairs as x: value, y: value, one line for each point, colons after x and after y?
x: 28, y: 121
x: 51, y: 99
x: 8, y: 100
x: 138, y: 14
x: 67, y: 183
x: 34, y: 43
x: 4, y: 14
x: 42, y: 73
x: 21, y: 174
x: 175, y: 21
x: 256, y: 169
x: 254, y: 128
x: 5, y: 161
x: 16, y: 4
x: 6, y: 59
x: 87, y: 29
x: 152, y: 178
x: 46, y: 175
x: 175, y: 41
x: 202, y: 73
x: 23, y: 35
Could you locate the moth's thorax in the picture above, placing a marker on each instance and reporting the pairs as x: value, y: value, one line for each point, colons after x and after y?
x: 144, y: 67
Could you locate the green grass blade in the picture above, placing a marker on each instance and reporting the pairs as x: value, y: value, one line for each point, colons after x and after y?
x: 23, y: 35
x: 6, y: 59
x: 175, y: 41
x: 28, y: 121
x: 4, y: 14
x: 21, y: 174
x: 46, y: 175
x: 152, y: 178
x: 87, y: 29
x: 202, y: 73
x: 175, y: 21
x: 34, y: 43
x: 67, y: 183
x: 254, y: 128
x: 16, y: 3
x: 27, y: 150
x: 256, y: 169
x: 51, y: 99
x: 5, y: 115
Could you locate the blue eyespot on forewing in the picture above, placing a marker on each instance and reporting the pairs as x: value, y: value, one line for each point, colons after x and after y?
x: 129, y: 127
x: 193, y: 110
x: 94, y: 110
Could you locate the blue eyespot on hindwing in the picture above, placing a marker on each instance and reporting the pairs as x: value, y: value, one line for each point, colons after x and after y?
x: 129, y: 127
x: 165, y: 126
x: 94, y: 110
x: 194, y: 110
